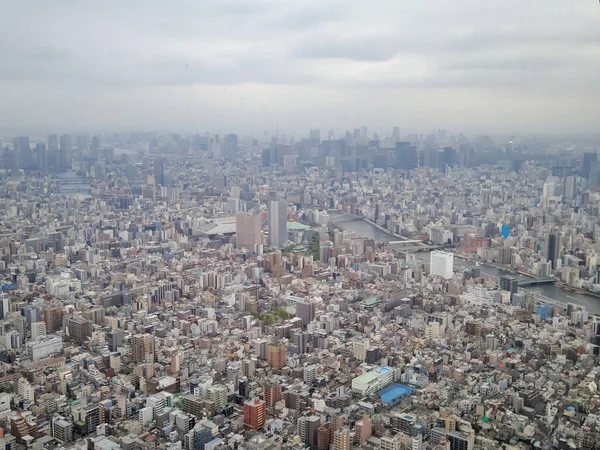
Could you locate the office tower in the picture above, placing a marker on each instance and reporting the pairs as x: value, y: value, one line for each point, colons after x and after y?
x: 308, y: 427
x: 396, y: 134
x: 430, y: 158
x: 341, y: 439
x: 315, y: 135
x: 364, y: 132
x: 23, y: 153
x: 272, y: 393
x: 587, y: 160
x: 231, y: 145
x: 570, y: 187
x: 114, y: 339
x: 38, y: 330
x: 95, y: 148
x: 247, y: 231
x: 441, y: 264
x: 266, y: 157
x: 276, y: 355
x: 449, y: 157
x: 553, y: 248
x: 406, y: 157
x: 277, y: 223
x: 41, y: 157
x: 255, y: 412
x: 80, y: 329
x: 142, y: 348
x: 305, y: 310
x: 65, y: 152
x: 159, y: 172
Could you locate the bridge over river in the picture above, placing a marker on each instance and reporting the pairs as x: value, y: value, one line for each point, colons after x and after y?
x: 366, y: 227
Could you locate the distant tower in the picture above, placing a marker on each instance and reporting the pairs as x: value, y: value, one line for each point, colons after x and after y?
x: 277, y: 223
x: 553, y: 248
x: 65, y: 152
x: 159, y: 172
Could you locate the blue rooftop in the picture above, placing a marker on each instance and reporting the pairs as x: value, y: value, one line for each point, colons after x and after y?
x: 395, y: 394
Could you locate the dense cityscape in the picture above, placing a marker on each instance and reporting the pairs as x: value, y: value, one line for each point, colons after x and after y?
x: 362, y: 291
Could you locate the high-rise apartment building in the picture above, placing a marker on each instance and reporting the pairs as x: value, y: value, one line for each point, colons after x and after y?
x: 272, y: 394
x: 247, y: 231
x: 255, y: 412
x: 79, y: 329
x: 277, y: 223
x: 276, y: 355
x: 441, y: 264
x: 308, y: 427
x: 305, y: 310
x: 142, y: 348
x: 341, y: 439
x: 38, y: 330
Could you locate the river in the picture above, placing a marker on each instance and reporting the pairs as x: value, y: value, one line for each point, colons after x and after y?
x: 351, y: 223
x: 591, y: 303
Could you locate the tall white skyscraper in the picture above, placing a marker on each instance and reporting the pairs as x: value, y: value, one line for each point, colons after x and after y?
x: 442, y: 264
x: 277, y: 223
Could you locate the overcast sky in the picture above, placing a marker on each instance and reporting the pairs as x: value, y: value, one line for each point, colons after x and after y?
x: 246, y: 65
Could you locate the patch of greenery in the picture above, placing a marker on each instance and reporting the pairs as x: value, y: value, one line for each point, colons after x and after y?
x: 314, y: 248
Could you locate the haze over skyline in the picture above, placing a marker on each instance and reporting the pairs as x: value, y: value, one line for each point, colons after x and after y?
x: 476, y: 66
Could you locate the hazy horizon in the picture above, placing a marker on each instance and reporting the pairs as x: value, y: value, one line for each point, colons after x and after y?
x: 246, y: 66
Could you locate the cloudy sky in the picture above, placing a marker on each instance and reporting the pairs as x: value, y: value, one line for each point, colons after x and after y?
x: 246, y: 65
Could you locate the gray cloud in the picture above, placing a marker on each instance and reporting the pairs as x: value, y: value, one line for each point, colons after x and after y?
x: 309, y: 52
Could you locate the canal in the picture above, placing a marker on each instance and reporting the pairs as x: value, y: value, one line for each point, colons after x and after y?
x: 591, y: 303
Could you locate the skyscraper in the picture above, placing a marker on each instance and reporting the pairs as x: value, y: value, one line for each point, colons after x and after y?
x: 159, y: 172
x: 570, y: 187
x: 23, y: 152
x: 95, y: 148
x: 248, y: 232
x: 553, y: 248
x: 277, y: 223
x: 406, y: 157
x: 65, y: 152
x: 231, y: 145
x: 41, y: 157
